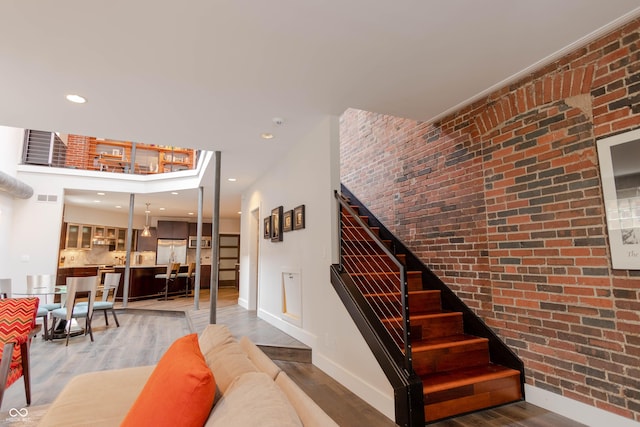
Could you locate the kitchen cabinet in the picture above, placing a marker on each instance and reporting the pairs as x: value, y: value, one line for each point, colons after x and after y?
x: 78, y: 236
x: 63, y: 273
x: 144, y: 285
x: 121, y: 239
x: 173, y: 230
x: 207, y: 229
x: 113, y: 237
x: 85, y: 236
x: 147, y: 243
x: 205, y: 276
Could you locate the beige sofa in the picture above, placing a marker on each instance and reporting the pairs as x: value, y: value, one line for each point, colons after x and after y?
x: 251, y: 390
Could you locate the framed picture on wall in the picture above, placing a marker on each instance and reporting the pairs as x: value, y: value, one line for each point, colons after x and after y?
x: 287, y: 221
x: 298, y: 218
x: 276, y: 224
x: 620, y: 175
x: 267, y: 227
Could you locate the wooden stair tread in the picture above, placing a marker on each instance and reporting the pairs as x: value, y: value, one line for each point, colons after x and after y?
x: 444, y: 342
x: 425, y: 316
x: 462, y: 377
x: 385, y: 274
x: 397, y: 294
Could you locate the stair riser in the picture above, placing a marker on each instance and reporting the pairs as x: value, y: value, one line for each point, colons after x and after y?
x: 357, y: 233
x: 348, y: 219
x: 418, y: 303
x: 451, y: 358
x: 369, y: 284
x: 356, y: 209
x: 369, y: 263
x: 360, y: 247
x: 367, y: 256
x: 425, y: 302
x: 471, y: 398
x: 435, y: 327
x: 386, y: 304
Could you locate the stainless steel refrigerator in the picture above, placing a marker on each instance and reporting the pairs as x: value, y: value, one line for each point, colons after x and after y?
x: 170, y: 250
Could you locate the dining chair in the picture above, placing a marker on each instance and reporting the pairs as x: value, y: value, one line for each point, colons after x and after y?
x: 77, y: 287
x: 5, y: 288
x: 44, y: 284
x: 17, y: 325
x: 109, y: 291
x: 169, y: 276
x: 188, y: 277
x: 6, y: 291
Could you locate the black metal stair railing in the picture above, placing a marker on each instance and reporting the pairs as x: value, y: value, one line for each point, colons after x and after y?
x: 499, y: 352
x: 368, y: 261
x: 372, y: 284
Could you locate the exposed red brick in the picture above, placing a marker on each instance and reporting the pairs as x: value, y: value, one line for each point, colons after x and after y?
x: 514, y: 181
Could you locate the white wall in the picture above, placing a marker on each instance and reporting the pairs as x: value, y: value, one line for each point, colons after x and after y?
x: 309, y: 175
x: 11, y: 142
x: 84, y: 215
x: 30, y: 230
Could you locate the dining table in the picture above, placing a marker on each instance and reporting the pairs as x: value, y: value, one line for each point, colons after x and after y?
x: 45, y: 291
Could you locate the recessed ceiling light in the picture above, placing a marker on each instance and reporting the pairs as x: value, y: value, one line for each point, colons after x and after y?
x: 231, y: 179
x: 239, y: 212
x: 190, y: 213
x: 266, y: 135
x: 118, y: 207
x: 100, y: 194
x: 174, y: 192
x: 76, y: 99
x: 96, y: 201
x: 162, y: 209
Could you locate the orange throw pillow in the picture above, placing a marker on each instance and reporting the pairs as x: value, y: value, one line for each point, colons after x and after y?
x: 179, y: 392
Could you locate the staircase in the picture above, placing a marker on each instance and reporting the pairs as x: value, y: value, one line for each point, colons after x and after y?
x: 456, y: 367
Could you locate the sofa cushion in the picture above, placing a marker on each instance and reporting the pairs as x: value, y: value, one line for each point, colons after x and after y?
x: 309, y: 412
x: 258, y: 358
x: 227, y: 362
x: 98, y: 399
x: 180, y: 391
x: 253, y: 399
x: 214, y: 336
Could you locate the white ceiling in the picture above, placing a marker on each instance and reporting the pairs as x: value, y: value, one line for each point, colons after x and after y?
x: 212, y: 74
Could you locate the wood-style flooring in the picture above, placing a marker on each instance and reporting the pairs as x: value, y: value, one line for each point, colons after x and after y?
x: 148, y: 328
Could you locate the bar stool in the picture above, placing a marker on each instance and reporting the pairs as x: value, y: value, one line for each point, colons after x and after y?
x: 169, y: 276
x: 188, y: 276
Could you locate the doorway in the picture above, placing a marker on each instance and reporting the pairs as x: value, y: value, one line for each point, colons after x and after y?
x: 254, y: 255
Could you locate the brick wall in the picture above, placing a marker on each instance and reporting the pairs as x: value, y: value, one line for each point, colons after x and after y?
x: 78, y: 151
x: 503, y: 200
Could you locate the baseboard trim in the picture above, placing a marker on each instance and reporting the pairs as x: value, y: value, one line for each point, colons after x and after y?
x: 383, y: 402
x: 577, y: 411
x: 298, y: 333
x: 244, y: 303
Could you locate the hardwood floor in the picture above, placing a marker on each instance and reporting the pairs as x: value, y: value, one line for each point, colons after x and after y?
x: 149, y: 327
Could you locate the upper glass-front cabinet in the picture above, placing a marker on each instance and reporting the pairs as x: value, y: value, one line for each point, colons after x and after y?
x: 78, y: 236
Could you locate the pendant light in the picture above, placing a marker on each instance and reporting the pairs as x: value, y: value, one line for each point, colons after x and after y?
x: 145, y: 230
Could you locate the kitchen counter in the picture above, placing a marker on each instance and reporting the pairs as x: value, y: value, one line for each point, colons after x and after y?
x: 142, y: 281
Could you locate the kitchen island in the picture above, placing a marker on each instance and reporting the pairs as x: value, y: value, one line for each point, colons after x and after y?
x: 142, y: 281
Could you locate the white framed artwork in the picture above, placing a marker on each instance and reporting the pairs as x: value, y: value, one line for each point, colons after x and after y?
x: 619, y: 157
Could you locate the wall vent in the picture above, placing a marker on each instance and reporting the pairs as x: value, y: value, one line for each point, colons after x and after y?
x: 51, y: 198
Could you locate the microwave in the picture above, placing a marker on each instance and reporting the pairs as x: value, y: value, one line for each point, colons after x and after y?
x: 193, y: 242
